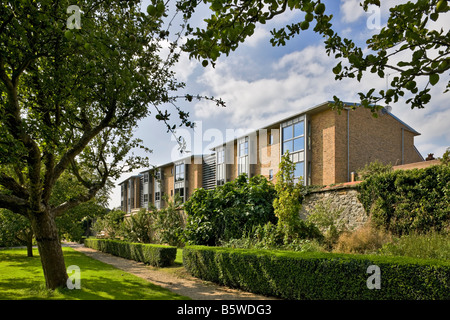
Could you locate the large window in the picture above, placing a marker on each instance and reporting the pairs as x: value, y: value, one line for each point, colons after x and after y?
x: 221, y: 167
x: 294, y: 137
x: 299, y: 172
x: 180, y: 192
x: 179, y: 172
x: 243, y: 164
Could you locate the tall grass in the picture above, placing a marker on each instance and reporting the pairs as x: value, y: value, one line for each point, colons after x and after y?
x: 432, y: 245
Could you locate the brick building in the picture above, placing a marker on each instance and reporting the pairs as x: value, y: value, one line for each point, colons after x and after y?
x: 325, y: 145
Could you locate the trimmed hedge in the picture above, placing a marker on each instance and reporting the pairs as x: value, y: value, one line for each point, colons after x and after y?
x: 155, y: 255
x: 313, y: 275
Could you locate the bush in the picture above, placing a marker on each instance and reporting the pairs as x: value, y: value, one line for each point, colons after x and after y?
x: 366, y: 239
x: 273, y: 237
x: 168, y: 223
x: 137, y: 227
x: 155, y: 255
x: 405, y: 201
x: 313, y: 275
x: 228, y: 211
x: 373, y: 168
x: 328, y: 221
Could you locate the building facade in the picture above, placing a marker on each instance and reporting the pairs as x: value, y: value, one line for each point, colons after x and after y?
x: 325, y: 145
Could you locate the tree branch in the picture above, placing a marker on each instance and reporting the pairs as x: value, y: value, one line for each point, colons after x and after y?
x: 14, y: 204
x: 11, y: 184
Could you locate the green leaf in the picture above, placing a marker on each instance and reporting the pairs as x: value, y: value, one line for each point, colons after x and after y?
x: 337, y: 69
x: 434, y: 78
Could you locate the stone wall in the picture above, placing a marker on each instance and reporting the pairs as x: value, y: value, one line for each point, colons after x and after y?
x: 343, y: 198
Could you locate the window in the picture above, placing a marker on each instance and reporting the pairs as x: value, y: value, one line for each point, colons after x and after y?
x: 243, y: 148
x: 294, y: 137
x: 157, y: 196
x: 221, y: 156
x: 221, y: 167
x: 179, y: 172
x: 243, y: 166
x: 180, y: 192
x: 271, y: 174
x: 270, y: 139
x: 298, y: 171
x: 145, y: 177
x: 145, y: 197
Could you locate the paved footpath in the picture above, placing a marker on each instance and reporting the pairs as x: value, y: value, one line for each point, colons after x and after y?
x: 184, y: 284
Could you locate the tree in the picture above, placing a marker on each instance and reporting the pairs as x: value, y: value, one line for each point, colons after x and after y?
x: 288, y: 202
x: 69, y: 100
x: 15, y: 230
x: 406, y: 34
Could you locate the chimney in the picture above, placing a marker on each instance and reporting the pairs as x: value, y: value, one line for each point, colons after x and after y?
x: 430, y: 157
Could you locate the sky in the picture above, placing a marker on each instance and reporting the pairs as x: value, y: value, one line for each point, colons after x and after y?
x: 261, y: 84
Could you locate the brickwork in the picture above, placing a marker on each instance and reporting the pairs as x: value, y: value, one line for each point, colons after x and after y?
x: 323, y: 128
x: 269, y: 154
x: 340, y: 143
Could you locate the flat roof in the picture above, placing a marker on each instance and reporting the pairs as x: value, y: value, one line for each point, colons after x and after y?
x: 311, y: 110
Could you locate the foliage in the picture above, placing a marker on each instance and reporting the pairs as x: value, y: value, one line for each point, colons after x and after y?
x: 168, y: 223
x: 70, y: 100
x: 155, y: 255
x: 373, y: 168
x: 405, y: 201
x: 296, y: 275
x: 272, y: 237
x: 110, y: 225
x: 445, y: 160
x: 406, y: 44
x: 228, y: 211
x: 328, y: 221
x: 137, y: 227
x: 432, y: 245
x: 364, y: 240
x: 15, y: 230
x: 287, y: 204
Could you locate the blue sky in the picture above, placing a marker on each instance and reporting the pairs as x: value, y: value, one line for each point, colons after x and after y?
x: 261, y: 84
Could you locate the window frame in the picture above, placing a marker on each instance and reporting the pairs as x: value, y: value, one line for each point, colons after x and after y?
x: 293, y: 138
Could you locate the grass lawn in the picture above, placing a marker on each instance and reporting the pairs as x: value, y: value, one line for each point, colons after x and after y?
x: 22, y: 278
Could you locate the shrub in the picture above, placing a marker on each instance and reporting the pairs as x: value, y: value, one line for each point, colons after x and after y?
x: 168, y: 223
x: 373, y: 168
x: 228, y: 211
x: 313, y: 275
x: 328, y: 221
x: 405, y: 201
x: 137, y: 227
x: 155, y: 255
x: 271, y: 236
x: 366, y: 239
x: 110, y: 224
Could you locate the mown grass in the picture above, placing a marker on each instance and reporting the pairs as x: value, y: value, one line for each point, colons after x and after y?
x: 21, y: 277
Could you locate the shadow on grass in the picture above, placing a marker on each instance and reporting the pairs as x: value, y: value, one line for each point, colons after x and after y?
x: 21, y: 277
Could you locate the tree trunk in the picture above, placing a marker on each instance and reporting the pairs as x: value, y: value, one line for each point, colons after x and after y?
x: 50, y: 251
x: 29, y: 236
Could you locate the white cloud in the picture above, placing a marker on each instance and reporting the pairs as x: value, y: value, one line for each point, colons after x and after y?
x: 351, y: 10
x: 296, y: 81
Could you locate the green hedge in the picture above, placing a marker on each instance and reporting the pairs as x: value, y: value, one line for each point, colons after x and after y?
x: 155, y: 255
x: 326, y: 276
